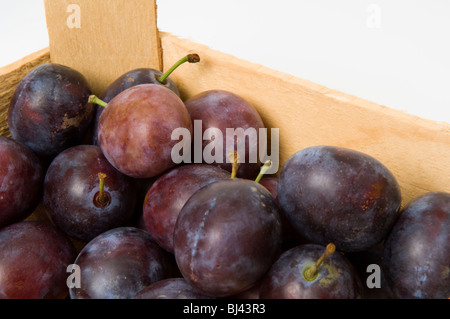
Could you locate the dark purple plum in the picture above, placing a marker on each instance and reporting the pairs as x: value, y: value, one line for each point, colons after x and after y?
x: 292, y: 276
x: 221, y: 110
x: 372, y: 257
x: 135, y: 129
x: 72, y: 193
x: 170, y: 288
x: 119, y: 263
x: 167, y: 196
x: 133, y: 78
x: 339, y: 195
x: 291, y: 236
x: 227, y: 236
x: 21, y: 180
x: 49, y: 110
x: 34, y: 256
x: 417, y: 251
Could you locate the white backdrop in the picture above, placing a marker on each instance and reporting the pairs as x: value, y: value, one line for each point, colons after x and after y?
x: 392, y: 52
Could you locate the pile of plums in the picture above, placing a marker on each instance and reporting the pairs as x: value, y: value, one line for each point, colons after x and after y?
x: 122, y: 219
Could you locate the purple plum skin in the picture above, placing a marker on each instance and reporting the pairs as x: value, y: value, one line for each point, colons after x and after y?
x: 170, y: 288
x: 49, y: 110
x: 135, y: 129
x: 21, y: 181
x: 34, y: 260
x: 337, y: 279
x: 126, y: 81
x: 119, y: 263
x: 417, y: 251
x: 167, y: 196
x: 339, y: 195
x: 227, y: 236
x: 70, y: 189
x: 222, y: 109
x: 291, y: 236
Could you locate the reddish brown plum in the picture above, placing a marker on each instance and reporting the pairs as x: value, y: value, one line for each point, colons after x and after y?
x: 126, y: 81
x: 227, y: 236
x: 49, y: 110
x: 119, y: 263
x: 71, y: 193
x: 21, y: 180
x: 34, y: 257
x: 222, y: 109
x: 339, y: 195
x: 336, y: 278
x: 135, y: 129
x: 167, y: 196
x: 417, y: 251
x: 170, y: 288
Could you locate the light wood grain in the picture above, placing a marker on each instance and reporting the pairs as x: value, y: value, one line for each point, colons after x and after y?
x: 112, y: 37
x: 416, y: 150
x: 10, y: 76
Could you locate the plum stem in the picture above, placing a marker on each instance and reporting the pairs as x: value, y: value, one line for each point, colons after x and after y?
x: 191, y: 58
x: 310, y: 273
x: 94, y: 99
x: 263, y: 170
x: 234, y: 157
x: 102, y: 199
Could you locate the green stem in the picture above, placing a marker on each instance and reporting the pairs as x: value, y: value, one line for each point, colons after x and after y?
x: 235, y: 166
x: 310, y: 273
x: 102, y: 199
x: 263, y: 170
x: 191, y: 58
x: 94, y: 99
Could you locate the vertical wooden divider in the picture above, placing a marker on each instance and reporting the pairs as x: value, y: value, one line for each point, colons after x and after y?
x: 103, y: 39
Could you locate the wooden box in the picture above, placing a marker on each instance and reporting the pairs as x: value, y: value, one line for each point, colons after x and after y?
x: 416, y: 150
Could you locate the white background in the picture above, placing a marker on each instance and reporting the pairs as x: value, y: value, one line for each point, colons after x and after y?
x: 392, y: 52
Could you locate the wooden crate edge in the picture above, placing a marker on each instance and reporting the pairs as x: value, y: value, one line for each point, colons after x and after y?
x: 11, y: 75
x: 415, y: 149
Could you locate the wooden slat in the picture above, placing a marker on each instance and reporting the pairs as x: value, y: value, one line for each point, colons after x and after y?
x: 10, y: 77
x: 103, y: 39
x: 416, y: 150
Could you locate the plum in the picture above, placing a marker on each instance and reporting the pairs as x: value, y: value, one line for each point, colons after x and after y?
x: 417, y: 251
x: 49, y: 110
x: 227, y: 236
x: 135, y: 77
x: 21, y: 180
x: 119, y: 263
x: 126, y: 81
x: 34, y: 260
x: 72, y: 193
x: 220, y: 109
x: 339, y: 195
x: 135, y: 129
x: 311, y: 271
x: 167, y: 196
